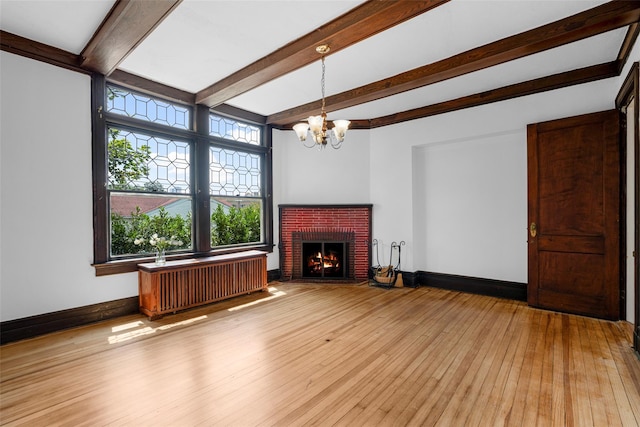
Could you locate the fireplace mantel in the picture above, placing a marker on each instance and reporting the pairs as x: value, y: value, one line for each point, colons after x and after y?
x: 352, y: 218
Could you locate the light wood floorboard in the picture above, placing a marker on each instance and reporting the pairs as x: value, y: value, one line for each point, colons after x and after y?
x: 343, y: 355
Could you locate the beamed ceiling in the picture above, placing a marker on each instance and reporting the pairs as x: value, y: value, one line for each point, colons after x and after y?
x: 390, y: 61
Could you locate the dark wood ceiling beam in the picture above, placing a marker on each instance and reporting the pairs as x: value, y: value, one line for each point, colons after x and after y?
x: 365, y: 20
x: 598, y: 20
x: 128, y: 23
x: 628, y: 43
x: 41, y: 52
x: 530, y: 87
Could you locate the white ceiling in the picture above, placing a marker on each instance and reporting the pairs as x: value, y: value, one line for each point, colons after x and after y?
x: 203, y: 41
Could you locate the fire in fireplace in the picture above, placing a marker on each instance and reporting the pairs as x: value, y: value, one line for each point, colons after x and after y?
x: 324, y: 260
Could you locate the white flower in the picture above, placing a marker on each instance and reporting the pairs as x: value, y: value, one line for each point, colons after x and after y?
x: 159, y: 242
x: 173, y: 241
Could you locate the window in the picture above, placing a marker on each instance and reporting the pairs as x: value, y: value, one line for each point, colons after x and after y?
x: 155, y: 177
x: 149, y: 186
x: 131, y: 104
x: 236, y: 202
x: 232, y: 129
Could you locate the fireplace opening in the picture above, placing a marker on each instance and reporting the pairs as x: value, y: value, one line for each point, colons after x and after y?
x: 324, y: 260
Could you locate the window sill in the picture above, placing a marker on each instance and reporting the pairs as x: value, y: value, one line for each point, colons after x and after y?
x: 131, y: 265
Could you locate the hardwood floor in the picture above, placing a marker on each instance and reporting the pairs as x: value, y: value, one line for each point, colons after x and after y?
x: 312, y: 354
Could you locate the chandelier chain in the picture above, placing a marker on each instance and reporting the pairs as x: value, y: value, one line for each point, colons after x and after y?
x: 322, y: 83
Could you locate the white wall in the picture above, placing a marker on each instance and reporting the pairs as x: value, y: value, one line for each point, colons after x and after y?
x: 46, y: 222
x: 630, y: 215
x: 470, y: 206
x: 306, y: 175
x: 391, y: 192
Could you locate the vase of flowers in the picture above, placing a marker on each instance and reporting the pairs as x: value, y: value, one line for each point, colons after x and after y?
x: 160, y: 243
x: 161, y: 258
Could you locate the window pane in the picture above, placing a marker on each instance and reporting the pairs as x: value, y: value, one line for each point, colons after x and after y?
x: 232, y: 129
x: 141, y: 162
x: 126, y: 103
x: 234, y: 173
x: 235, y: 220
x: 135, y: 218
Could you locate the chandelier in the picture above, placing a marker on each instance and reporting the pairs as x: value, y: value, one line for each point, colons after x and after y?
x: 317, y: 125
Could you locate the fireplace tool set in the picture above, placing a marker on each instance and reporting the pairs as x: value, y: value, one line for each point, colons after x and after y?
x: 390, y: 275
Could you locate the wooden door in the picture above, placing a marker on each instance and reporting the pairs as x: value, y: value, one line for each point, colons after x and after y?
x: 574, y: 234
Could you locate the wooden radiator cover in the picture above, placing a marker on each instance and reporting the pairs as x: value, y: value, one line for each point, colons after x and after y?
x: 183, y: 284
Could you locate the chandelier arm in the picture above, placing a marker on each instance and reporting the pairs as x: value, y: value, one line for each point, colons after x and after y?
x: 334, y: 142
x: 312, y: 143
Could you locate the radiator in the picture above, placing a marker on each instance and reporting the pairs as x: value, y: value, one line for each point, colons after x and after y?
x: 183, y: 284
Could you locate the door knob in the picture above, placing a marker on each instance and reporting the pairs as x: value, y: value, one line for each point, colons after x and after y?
x: 533, y: 230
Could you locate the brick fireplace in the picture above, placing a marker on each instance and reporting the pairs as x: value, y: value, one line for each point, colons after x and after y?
x: 346, y: 225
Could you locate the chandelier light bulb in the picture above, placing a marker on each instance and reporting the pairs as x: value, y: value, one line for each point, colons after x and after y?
x: 315, y: 124
x: 340, y: 128
x: 301, y: 130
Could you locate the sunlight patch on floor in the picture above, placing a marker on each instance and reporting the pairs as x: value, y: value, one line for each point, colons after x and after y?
x: 275, y: 293
x: 148, y: 330
x: 126, y: 326
x: 138, y: 329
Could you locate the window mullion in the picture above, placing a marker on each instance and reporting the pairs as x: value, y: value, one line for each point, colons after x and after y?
x: 202, y: 220
x: 267, y: 193
x: 99, y: 165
